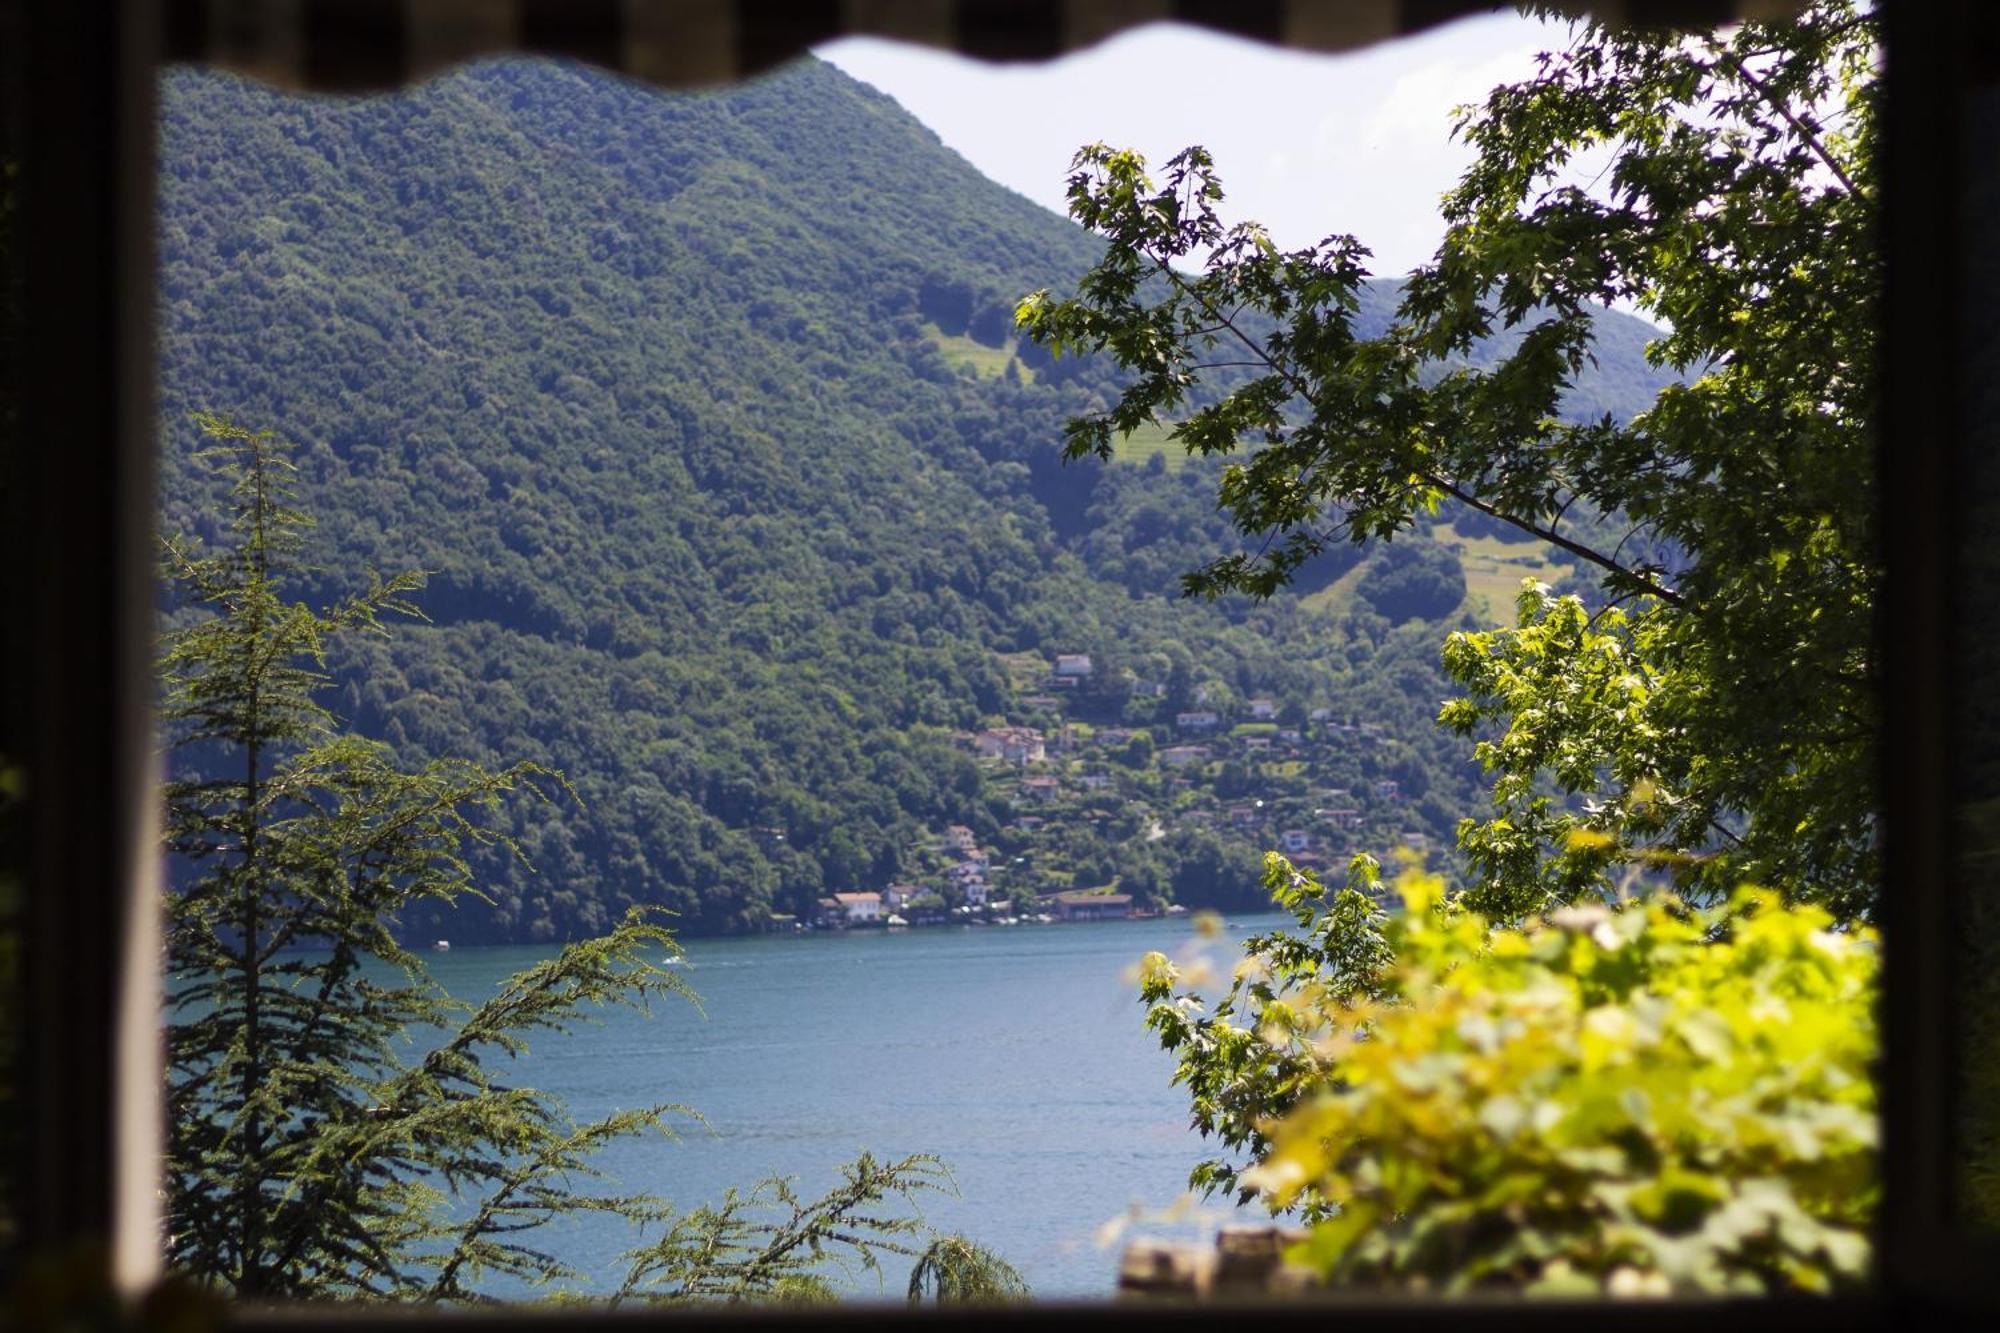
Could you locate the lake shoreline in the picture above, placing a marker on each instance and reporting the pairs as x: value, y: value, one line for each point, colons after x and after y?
x: 1019, y: 1058
x: 861, y: 930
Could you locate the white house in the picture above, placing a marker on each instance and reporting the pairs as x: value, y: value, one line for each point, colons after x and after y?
x: 1201, y: 720
x: 1294, y: 840
x: 860, y: 909
x: 1263, y: 710
x: 1180, y: 756
x: 1016, y: 745
x: 1073, y: 664
x: 1389, y: 789
x: 959, y: 838
x: 975, y: 892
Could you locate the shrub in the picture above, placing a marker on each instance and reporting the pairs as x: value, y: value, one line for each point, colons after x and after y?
x: 1650, y: 1100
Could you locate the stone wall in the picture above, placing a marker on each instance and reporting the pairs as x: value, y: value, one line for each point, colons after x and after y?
x: 1245, y: 1262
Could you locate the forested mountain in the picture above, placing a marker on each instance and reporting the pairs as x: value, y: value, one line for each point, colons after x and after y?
x: 741, y: 504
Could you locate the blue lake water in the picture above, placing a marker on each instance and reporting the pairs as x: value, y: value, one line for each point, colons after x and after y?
x: 1014, y: 1053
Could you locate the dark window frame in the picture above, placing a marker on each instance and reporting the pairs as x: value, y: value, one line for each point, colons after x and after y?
x: 78, y: 523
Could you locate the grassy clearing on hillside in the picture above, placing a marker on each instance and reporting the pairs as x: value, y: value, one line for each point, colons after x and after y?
x: 1144, y: 443
x: 988, y: 363
x: 1494, y: 569
x: 1025, y: 671
x: 1336, y: 596
x: 1493, y: 573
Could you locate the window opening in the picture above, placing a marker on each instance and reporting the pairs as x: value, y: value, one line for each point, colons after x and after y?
x: 595, y: 631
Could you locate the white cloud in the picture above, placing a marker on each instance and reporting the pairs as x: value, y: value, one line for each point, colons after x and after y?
x: 1417, y: 111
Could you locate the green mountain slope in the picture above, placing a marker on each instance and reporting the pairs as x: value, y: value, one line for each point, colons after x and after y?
x: 737, y: 496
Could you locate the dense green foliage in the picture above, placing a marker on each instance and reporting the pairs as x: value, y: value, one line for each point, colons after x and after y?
x: 665, y: 393
x: 1645, y: 1096
x: 1721, y: 722
x: 300, y: 848
x: 1238, y: 1080
x: 1653, y: 1101
x: 309, y: 1155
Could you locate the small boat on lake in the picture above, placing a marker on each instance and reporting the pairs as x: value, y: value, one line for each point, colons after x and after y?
x: 442, y: 946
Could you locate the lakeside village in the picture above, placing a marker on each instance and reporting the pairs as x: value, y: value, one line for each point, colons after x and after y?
x: 1228, y: 778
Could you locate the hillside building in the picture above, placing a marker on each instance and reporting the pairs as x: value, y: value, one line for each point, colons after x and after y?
x: 1041, y: 789
x: 1015, y: 745
x: 860, y: 909
x: 1080, y: 906
x: 1180, y: 756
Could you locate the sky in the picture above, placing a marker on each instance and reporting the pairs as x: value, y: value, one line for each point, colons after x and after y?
x: 1307, y: 144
